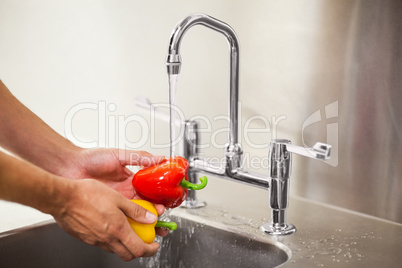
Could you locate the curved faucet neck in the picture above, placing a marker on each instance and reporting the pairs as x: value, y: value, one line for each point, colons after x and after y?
x: 173, y: 63
x: 201, y: 19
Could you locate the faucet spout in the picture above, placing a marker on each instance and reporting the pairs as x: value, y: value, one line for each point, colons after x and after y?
x: 173, y: 64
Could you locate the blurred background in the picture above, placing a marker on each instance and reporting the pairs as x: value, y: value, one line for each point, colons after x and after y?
x: 310, y: 71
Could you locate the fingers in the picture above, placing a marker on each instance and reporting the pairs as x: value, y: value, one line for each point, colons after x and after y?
x: 136, y: 212
x: 96, y: 214
x: 120, y: 250
x: 125, y: 243
x: 105, y: 247
x: 138, y: 158
x: 160, y: 208
x: 161, y: 231
x: 150, y: 249
x: 137, y: 248
x: 131, y: 246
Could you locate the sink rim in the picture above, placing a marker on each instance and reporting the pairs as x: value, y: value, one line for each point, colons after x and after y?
x: 26, y: 228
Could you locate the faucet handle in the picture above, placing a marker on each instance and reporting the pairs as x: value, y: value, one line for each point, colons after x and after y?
x: 320, y: 150
x: 280, y: 165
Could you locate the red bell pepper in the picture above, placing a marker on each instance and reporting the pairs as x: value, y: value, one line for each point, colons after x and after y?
x: 166, y: 183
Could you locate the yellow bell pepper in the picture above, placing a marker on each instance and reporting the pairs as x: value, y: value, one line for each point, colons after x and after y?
x: 147, y: 231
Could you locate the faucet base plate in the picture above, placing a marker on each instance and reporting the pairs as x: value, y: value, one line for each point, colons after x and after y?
x: 268, y: 228
x: 193, y: 204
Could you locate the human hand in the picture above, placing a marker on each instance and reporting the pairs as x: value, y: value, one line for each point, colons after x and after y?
x: 96, y: 215
x: 109, y: 167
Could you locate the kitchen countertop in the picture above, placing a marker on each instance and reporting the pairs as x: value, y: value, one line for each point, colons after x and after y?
x: 14, y: 216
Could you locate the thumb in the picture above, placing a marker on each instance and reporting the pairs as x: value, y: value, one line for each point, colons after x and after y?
x: 137, y: 213
x: 138, y: 158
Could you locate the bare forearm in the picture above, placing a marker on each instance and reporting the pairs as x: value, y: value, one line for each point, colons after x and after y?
x: 24, y: 183
x: 86, y: 209
x: 26, y: 135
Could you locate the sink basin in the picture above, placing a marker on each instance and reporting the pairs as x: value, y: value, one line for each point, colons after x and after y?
x: 191, y: 245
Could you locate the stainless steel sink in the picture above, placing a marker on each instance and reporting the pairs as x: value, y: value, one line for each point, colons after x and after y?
x: 191, y: 245
x: 226, y: 233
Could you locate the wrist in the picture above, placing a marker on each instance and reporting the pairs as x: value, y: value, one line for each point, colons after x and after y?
x: 68, y: 163
x: 58, y: 196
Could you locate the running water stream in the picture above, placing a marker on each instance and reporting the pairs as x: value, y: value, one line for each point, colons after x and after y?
x: 172, y: 105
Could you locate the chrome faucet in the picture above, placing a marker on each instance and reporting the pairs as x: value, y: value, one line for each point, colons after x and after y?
x: 173, y: 63
x: 280, y: 159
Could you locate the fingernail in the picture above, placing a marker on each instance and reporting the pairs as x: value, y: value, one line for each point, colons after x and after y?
x: 150, y: 216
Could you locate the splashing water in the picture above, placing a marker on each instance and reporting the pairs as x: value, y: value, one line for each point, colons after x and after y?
x: 172, y: 105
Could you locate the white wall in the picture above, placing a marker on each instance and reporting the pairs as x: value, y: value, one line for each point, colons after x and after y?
x: 57, y: 54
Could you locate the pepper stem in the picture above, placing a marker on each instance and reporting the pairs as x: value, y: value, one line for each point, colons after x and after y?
x: 167, y: 224
x: 186, y: 184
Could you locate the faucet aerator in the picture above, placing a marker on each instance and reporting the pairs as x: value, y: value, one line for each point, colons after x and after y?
x: 173, y: 64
